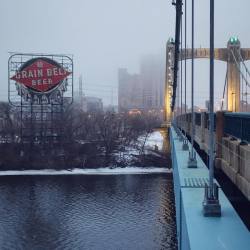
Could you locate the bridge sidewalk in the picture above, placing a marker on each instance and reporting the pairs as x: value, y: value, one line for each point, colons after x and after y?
x: 195, y: 231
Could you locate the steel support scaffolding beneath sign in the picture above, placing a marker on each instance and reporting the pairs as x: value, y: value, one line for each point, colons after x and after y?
x: 40, y: 88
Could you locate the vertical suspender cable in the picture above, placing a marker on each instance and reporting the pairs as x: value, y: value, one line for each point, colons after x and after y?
x: 224, y: 90
x: 181, y: 67
x: 177, y: 49
x: 192, y: 83
x: 185, y: 66
x: 246, y: 93
x: 242, y: 94
x: 211, y: 108
x: 211, y: 204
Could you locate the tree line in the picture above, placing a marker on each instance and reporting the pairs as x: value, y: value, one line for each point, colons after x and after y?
x: 88, y: 140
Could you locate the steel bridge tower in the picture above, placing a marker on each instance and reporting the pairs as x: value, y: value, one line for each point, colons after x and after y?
x: 233, y: 55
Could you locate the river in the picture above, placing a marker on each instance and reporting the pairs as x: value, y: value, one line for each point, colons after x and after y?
x: 112, y: 212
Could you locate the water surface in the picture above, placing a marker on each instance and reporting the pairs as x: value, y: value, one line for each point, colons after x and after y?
x: 112, y: 212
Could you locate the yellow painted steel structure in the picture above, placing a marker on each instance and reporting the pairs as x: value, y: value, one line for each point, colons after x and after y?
x: 231, y: 55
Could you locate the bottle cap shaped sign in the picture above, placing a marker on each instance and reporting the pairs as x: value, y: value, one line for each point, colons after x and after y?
x: 40, y: 74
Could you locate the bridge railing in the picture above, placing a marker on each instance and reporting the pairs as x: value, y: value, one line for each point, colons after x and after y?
x: 237, y: 125
x: 230, y: 132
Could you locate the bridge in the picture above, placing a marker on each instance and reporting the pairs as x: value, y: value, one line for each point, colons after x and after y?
x: 232, y: 138
x: 232, y: 127
x: 231, y: 133
x: 206, y: 219
x: 194, y: 230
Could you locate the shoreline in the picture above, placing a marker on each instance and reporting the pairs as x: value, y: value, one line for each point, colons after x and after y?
x: 96, y: 171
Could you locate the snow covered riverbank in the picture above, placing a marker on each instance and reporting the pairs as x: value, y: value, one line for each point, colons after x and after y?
x: 97, y: 171
x: 155, y: 139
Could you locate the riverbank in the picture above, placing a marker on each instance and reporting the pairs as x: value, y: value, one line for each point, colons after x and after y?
x: 97, y: 171
x: 84, y: 157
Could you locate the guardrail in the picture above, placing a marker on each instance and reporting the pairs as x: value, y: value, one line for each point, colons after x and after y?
x: 237, y: 125
x: 232, y: 156
x: 198, y: 119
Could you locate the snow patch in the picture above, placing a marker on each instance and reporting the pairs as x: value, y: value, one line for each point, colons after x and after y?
x: 155, y: 138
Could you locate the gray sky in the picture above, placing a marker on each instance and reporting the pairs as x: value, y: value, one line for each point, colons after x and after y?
x: 104, y: 35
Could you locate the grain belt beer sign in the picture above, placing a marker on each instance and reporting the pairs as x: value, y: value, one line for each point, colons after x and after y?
x: 41, y: 74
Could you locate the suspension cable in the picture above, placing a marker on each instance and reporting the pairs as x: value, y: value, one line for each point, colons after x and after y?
x: 178, y: 5
x: 181, y: 64
x: 246, y: 97
x: 242, y: 94
x: 242, y: 61
x: 185, y: 74
x: 238, y: 67
x: 247, y: 84
x: 224, y: 90
x: 192, y: 81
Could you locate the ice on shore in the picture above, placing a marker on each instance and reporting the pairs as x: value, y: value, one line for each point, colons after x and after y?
x: 155, y: 139
x: 96, y: 171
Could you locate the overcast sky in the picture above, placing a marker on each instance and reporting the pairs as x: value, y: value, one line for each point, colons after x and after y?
x: 104, y: 35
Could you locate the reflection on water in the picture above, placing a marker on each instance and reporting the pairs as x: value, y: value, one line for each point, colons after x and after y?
x: 87, y: 212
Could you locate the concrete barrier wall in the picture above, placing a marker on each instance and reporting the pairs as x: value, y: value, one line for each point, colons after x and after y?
x: 235, y: 163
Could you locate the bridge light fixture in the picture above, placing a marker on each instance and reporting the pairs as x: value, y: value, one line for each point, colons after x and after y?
x: 234, y: 40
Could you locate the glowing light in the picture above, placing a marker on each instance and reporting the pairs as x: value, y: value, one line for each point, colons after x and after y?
x: 234, y: 40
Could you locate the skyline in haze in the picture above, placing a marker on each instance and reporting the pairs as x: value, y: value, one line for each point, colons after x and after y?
x: 106, y: 35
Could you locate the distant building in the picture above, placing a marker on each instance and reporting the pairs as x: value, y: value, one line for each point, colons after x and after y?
x: 207, y: 104
x: 88, y: 103
x: 152, y: 73
x: 110, y: 108
x: 143, y: 91
x: 129, y: 91
x: 92, y: 104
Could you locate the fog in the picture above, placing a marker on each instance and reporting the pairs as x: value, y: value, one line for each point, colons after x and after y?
x: 106, y: 35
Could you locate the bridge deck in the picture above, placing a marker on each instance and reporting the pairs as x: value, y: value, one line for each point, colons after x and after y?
x: 193, y: 229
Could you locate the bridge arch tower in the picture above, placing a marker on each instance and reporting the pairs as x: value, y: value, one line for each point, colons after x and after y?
x: 233, y: 55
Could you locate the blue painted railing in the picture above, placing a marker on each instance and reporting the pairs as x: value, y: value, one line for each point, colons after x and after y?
x: 237, y: 125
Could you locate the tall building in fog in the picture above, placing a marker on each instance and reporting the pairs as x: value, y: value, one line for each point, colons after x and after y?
x: 152, y: 74
x: 129, y: 91
x: 144, y: 91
